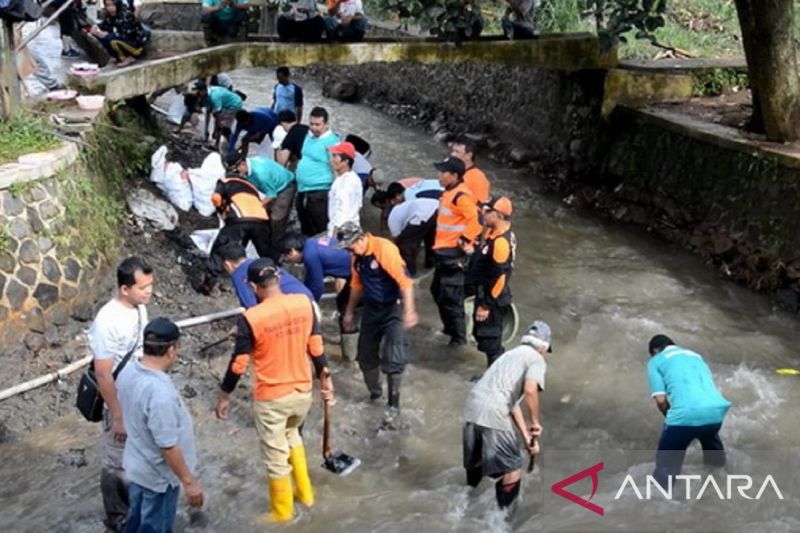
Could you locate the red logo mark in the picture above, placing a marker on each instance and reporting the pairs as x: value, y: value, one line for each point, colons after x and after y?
x: 558, y: 488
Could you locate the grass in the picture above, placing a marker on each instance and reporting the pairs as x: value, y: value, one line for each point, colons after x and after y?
x: 24, y: 134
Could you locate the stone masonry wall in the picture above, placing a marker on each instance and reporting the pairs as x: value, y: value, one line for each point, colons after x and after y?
x: 524, y: 114
x: 42, y: 283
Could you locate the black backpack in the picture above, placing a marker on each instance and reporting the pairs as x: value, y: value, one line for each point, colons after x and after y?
x: 20, y: 10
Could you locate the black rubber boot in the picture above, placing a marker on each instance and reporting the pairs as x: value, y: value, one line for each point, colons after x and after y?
x: 372, y: 378
x: 474, y: 476
x: 506, y: 494
x: 394, y: 382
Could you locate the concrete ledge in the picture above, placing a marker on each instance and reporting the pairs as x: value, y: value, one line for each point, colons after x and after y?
x: 719, y: 135
x: 643, y: 87
x: 52, y: 162
x: 566, y: 53
x: 684, y: 66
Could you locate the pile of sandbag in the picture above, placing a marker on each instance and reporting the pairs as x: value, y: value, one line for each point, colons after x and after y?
x: 183, y: 188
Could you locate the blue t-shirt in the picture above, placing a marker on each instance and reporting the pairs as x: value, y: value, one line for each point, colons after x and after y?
x: 287, y: 98
x: 268, y: 176
x: 687, y: 381
x: 263, y: 120
x: 247, y: 298
x: 322, y: 258
x: 314, y: 172
x: 220, y: 98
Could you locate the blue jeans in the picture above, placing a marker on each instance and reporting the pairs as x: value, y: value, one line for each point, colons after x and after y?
x: 151, y: 512
x: 353, y: 32
x: 672, y: 449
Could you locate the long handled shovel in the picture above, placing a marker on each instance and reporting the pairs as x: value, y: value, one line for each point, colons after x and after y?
x: 339, y: 463
x: 532, y: 462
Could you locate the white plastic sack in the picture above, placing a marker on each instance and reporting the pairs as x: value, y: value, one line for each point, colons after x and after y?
x: 176, y: 110
x: 177, y: 190
x: 157, y: 161
x: 144, y: 205
x: 204, y: 180
x: 204, y: 240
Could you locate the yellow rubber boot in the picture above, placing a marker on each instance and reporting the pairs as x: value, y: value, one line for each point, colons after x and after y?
x: 281, y: 500
x: 302, y: 483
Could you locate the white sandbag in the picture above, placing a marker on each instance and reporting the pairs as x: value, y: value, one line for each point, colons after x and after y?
x: 176, y: 110
x: 177, y: 190
x: 157, y: 162
x: 204, y: 239
x: 145, y: 206
x: 204, y: 180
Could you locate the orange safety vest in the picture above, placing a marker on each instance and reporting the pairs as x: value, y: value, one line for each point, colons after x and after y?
x: 236, y: 198
x: 478, y: 183
x: 284, y: 334
x: 455, y: 220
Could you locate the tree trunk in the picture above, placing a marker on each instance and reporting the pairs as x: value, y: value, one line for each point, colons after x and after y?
x: 9, y: 82
x: 768, y: 39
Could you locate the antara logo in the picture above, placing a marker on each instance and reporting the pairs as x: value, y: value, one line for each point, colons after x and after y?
x: 593, y: 471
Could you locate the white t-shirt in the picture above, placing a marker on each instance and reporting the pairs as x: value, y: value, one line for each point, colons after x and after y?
x: 344, y: 201
x: 361, y: 165
x: 411, y: 212
x: 116, y: 329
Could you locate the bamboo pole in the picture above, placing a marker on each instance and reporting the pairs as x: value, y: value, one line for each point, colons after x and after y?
x: 77, y: 365
x: 41, y: 28
x: 9, y: 81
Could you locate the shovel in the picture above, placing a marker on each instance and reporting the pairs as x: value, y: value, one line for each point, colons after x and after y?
x: 339, y: 463
x: 532, y: 462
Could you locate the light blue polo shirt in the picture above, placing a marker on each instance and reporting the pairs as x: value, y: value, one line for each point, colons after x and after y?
x: 314, y: 172
x: 268, y: 176
x: 226, y: 13
x: 221, y: 98
x: 687, y: 381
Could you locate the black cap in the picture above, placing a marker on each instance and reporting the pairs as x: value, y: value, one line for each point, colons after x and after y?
x: 162, y: 330
x: 261, y: 270
x: 233, y: 159
x: 658, y: 343
x: 451, y: 164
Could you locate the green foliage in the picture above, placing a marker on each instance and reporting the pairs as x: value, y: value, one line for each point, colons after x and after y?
x: 561, y: 16
x: 116, y: 139
x: 454, y: 20
x: 718, y: 81
x: 5, y: 237
x: 616, y: 19
x: 24, y: 134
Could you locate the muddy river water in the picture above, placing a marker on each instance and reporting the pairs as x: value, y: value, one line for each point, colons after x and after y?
x: 604, y: 289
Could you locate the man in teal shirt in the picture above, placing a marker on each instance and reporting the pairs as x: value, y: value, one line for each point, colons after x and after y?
x: 314, y: 174
x: 220, y: 102
x: 222, y: 20
x: 275, y: 182
x: 683, y: 388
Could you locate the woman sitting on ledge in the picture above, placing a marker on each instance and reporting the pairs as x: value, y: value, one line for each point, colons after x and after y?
x: 121, y: 33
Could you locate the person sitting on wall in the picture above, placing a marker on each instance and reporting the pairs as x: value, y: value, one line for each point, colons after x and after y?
x: 300, y: 20
x: 517, y: 22
x: 224, y: 20
x: 345, y: 21
x: 121, y: 34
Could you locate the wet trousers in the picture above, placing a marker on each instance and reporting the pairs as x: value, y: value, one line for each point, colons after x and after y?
x: 672, y: 449
x: 279, y: 210
x: 382, y: 322
x: 277, y: 425
x: 245, y: 232
x: 447, y: 290
x: 409, y: 240
x: 113, y: 482
x: 152, y: 511
x: 489, y: 333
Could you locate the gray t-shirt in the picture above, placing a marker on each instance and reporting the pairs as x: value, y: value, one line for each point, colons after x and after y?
x: 155, y: 418
x: 491, y: 400
x: 116, y: 329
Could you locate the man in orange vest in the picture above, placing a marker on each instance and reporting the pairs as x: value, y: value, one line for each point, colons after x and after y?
x: 474, y: 178
x: 491, y: 267
x: 457, y: 227
x: 279, y: 335
x: 380, y: 277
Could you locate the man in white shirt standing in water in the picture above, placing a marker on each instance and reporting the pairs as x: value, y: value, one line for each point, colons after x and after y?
x: 346, y: 194
x: 117, y: 330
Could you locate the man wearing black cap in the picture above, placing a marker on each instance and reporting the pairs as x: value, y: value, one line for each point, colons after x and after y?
x: 159, y: 454
x: 494, y: 424
x: 683, y: 388
x: 279, y: 334
x: 457, y: 227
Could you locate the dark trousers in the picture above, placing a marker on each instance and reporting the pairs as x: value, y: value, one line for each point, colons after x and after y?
x: 447, y: 289
x: 279, y: 210
x: 214, y: 26
x: 489, y: 333
x: 379, y: 322
x: 312, y: 210
x: 308, y: 31
x: 245, y: 232
x: 408, y: 242
x: 672, y: 449
x: 353, y: 32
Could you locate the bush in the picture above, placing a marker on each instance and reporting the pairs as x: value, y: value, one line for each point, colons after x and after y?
x: 24, y: 134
